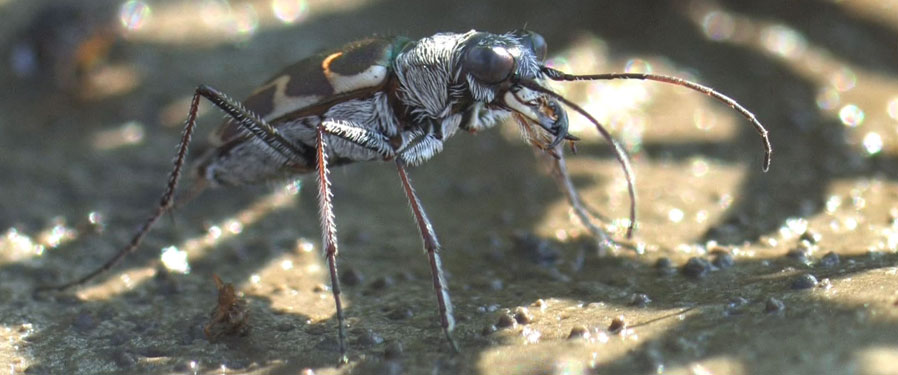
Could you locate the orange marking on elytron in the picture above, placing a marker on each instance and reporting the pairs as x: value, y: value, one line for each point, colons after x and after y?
x: 326, y: 64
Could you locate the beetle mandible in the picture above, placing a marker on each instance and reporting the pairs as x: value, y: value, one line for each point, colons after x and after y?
x: 393, y: 99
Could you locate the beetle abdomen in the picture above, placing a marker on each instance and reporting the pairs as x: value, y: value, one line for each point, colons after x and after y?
x: 312, y: 85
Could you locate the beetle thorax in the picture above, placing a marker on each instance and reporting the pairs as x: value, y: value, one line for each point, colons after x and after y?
x: 438, y: 89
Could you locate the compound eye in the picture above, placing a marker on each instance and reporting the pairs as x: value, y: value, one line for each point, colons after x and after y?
x: 534, y: 41
x: 489, y: 64
x: 538, y: 43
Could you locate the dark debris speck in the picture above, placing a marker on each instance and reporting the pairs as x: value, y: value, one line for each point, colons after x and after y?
x: 665, y: 266
x: 366, y: 337
x: 351, y: 277
x: 798, y: 254
x: 400, y: 313
x: 123, y: 359
x: 774, y: 305
x: 523, y: 316
x: 640, y: 300
x: 617, y: 325
x: 382, y: 282
x: 696, y: 267
x: 285, y: 327
x: 735, y: 306
x: 804, y: 281
x: 393, y: 350
x: 505, y: 321
x: 578, y: 331
x: 829, y: 260
x: 722, y: 260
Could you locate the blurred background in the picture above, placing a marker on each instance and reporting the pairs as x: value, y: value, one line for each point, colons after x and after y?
x: 731, y: 270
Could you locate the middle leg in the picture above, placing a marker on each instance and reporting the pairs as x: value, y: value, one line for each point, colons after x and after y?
x: 329, y: 234
x: 432, y: 246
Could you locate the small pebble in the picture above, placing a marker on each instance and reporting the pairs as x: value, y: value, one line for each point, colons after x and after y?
x: 382, y: 282
x: 400, y: 313
x: 522, y: 315
x: 366, y: 337
x: 506, y: 321
x: 393, y: 350
x: 829, y: 260
x: 735, y: 305
x: 696, y: 267
x: 351, y: 277
x: 153, y: 352
x: 798, y: 254
x: 285, y: 327
x: 640, y: 300
x: 488, y: 330
x: 618, y: 324
x: 722, y: 260
x: 665, y: 266
x: 578, y: 332
x: 124, y: 359
x: 774, y: 305
x: 320, y: 288
x: 804, y: 281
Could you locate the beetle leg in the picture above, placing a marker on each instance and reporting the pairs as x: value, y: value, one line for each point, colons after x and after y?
x: 329, y: 234
x: 587, y: 217
x: 358, y: 135
x: 251, y: 122
x: 432, y: 246
x: 246, y: 119
x: 165, y: 203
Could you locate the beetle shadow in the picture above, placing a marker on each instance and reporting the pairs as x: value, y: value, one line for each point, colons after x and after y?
x: 810, y: 148
x: 797, y: 148
x: 720, y: 315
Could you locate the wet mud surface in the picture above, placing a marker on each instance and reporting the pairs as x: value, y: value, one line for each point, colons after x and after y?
x: 731, y: 270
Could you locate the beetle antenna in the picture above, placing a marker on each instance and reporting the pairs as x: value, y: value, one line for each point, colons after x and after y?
x: 619, y: 151
x: 557, y: 75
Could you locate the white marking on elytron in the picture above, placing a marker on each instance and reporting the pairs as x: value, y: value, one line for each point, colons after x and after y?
x: 512, y: 101
x: 371, y: 77
x: 282, y: 103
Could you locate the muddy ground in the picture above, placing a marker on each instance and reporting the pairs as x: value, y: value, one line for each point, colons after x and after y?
x: 793, y: 271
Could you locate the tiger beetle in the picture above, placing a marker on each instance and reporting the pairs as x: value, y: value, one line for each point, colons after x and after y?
x: 394, y: 99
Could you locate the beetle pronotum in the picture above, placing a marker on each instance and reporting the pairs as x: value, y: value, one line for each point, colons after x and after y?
x: 393, y: 99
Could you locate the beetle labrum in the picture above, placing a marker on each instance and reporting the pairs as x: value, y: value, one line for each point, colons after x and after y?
x: 393, y: 99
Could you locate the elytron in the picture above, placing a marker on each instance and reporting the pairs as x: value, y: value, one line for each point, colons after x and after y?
x: 394, y: 99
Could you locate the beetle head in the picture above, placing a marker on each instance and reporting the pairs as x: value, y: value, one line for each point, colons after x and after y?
x: 507, y: 72
x: 493, y: 66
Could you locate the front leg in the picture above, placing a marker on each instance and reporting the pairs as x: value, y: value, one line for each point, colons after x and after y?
x: 432, y: 246
x: 563, y: 179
